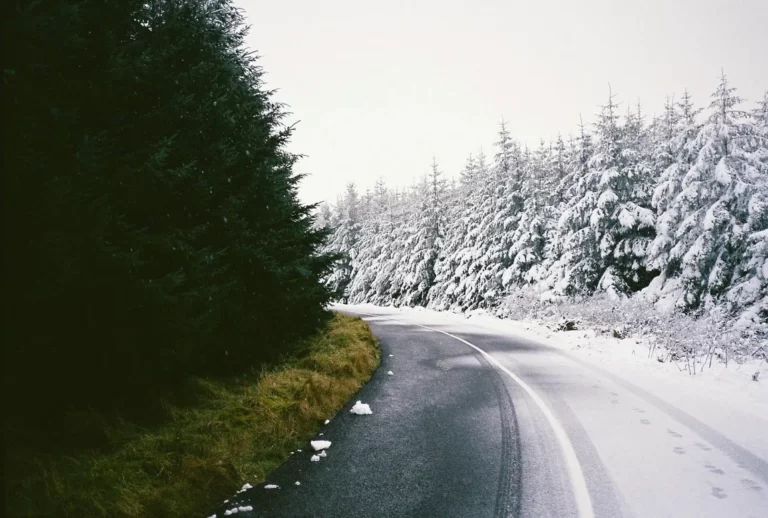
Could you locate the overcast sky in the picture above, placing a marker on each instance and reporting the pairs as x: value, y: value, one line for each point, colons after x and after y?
x: 380, y: 87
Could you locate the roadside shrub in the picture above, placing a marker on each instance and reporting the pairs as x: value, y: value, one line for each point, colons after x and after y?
x: 670, y: 336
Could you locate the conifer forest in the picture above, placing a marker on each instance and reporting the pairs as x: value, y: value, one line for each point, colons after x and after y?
x: 671, y: 208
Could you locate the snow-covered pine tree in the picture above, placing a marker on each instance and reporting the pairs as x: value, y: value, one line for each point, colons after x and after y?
x: 554, y: 269
x: 663, y: 137
x: 502, y: 217
x: 760, y: 115
x: 424, y: 243
x: 459, y: 239
x: 393, y: 271
x: 747, y: 295
x: 345, y: 241
x: 632, y: 223
x: 528, y: 241
x: 373, y: 246
x: 384, y: 268
x: 586, y: 219
x: 558, y: 169
x: 714, y: 200
x: 605, y: 229
x: 670, y: 214
x: 472, y: 258
x: 569, y: 163
x: 324, y: 216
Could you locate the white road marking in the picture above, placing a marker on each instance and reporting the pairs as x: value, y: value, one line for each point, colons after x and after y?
x: 575, y: 473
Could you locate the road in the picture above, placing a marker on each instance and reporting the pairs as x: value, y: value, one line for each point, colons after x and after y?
x: 476, y: 423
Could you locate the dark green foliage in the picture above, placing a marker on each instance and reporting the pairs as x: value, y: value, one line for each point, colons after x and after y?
x: 151, y: 224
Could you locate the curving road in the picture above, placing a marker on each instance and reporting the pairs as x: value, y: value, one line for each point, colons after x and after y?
x: 476, y: 423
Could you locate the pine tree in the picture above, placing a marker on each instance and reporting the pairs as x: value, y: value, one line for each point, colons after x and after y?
x: 386, y: 234
x: 583, y: 225
x: 528, y: 240
x: 501, y: 215
x: 747, y: 295
x: 632, y: 222
x: 472, y: 258
x: 425, y: 242
x: 345, y: 242
x: 156, y: 219
x: 668, y: 187
x: 714, y: 200
x: 459, y: 238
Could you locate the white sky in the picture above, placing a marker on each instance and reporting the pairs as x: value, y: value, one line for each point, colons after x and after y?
x: 380, y: 87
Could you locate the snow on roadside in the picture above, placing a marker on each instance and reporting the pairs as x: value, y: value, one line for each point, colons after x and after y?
x: 361, y: 409
x: 320, y: 445
x: 629, y: 356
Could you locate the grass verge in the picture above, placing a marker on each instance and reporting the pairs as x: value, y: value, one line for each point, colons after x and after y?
x: 236, y: 431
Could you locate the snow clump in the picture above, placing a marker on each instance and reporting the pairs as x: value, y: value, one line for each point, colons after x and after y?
x: 320, y: 445
x: 361, y: 409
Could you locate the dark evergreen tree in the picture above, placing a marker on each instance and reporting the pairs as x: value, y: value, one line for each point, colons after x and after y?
x: 151, y: 223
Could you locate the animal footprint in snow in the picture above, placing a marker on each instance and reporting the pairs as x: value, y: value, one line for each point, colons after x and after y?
x: 678, y: 450
x: 751, y: 484
x: 713, y: 469
x: 645, y: 421
x: 673, y: 433
x: 702, y: 446
x: 719, y: 492
x: 639, y: 410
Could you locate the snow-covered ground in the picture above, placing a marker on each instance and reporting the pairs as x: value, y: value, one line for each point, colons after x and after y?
x: 725, y: 399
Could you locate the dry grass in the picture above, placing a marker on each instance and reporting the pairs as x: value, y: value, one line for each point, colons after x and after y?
x: 237, y: 431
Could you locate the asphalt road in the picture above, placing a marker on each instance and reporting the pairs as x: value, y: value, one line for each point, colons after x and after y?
x: 474, y: 423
